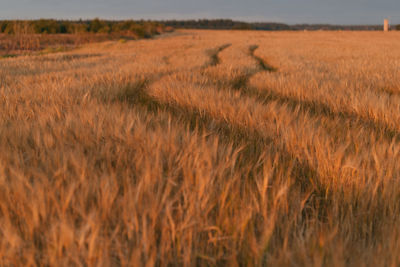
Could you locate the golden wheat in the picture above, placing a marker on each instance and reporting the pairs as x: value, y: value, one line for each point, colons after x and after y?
x: 203, y: 148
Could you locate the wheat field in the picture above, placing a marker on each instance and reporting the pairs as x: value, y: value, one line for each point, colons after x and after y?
x: 203, y: 148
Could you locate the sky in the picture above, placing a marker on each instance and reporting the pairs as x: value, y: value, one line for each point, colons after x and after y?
x: 285, y: 11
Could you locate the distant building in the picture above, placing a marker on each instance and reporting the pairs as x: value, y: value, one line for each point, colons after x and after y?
x: 386, y: 25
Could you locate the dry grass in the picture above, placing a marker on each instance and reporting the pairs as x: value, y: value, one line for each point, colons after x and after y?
x: 203, y: 148
x: 24, y: 44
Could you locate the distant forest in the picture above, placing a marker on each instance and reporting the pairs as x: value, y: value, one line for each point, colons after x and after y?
x: 144, y: 29
x: 228, y: 24
x: 141, y: 28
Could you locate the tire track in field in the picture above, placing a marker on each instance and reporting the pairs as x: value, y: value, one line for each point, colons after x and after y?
x: 241, y: 81
x: 251, y: 143
x: 317, y: 108
x: 261, y: 62
x: 214, y: 55
x: 389, y: 90
x: 314, y: 108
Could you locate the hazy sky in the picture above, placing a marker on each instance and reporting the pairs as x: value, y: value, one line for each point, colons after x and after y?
x: 288, y: 11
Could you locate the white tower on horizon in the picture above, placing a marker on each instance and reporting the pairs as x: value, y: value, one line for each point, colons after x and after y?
x: 386, y: 25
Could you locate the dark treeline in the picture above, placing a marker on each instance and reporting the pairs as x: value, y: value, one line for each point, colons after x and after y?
x: 220, y: 24
x: 50, y: 26
x: 143, y: 29
x: 227, y: 24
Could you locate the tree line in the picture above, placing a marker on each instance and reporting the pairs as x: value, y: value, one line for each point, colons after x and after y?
x: 228, y: 24
x: 141, y: 28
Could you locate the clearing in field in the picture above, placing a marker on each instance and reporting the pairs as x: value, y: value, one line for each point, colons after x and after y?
x: 203, y: 148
